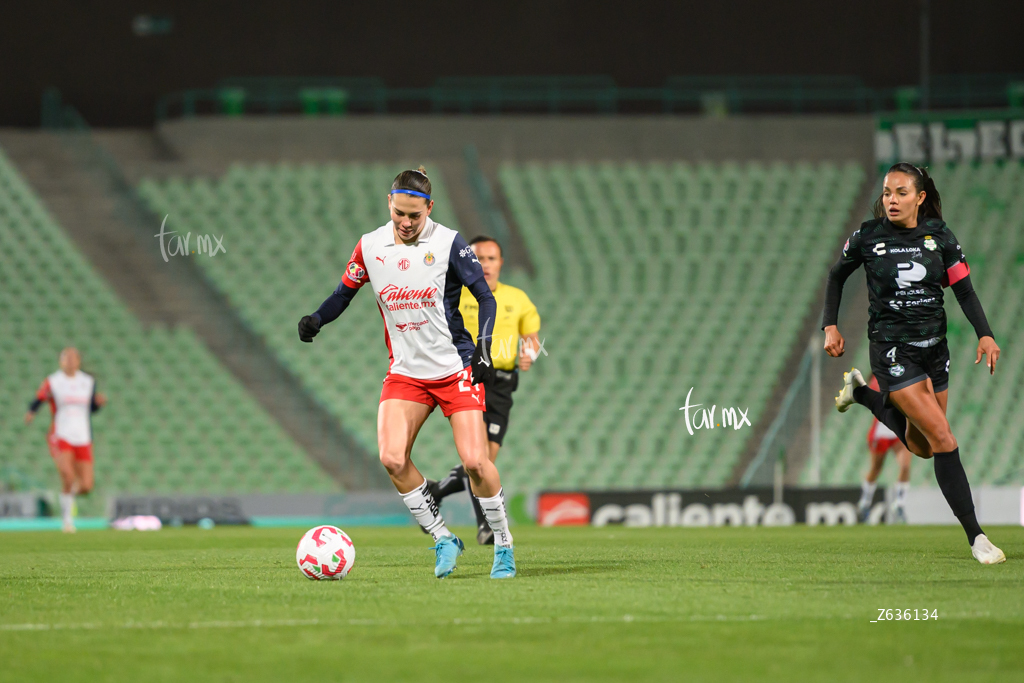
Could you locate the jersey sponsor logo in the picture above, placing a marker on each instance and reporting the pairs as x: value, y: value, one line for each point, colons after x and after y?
x: 896, y: 370
x: 879, y: 248
x: 929, y: 243
x: 404, y: 264
x: 428, y: 258
x: 395, y: 293
x: 468, y: 251
x: 355, y: 272
x: 905, y: 250
x: 909, y: 273
x: 402, y: 298
x: 410, y: 327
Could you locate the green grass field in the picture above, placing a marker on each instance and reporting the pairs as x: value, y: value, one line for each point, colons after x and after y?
x: 616, y: 604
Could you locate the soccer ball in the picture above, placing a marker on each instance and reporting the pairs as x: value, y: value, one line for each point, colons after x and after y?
x: 325, y: 553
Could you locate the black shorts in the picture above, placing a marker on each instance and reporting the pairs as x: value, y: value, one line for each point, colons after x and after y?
x: 897, y: 365
x: 499, y: 404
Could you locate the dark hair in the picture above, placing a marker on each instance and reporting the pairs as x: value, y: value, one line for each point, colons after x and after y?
x: 484, y: 238
x: 931, y: 207
x: 412, y: 180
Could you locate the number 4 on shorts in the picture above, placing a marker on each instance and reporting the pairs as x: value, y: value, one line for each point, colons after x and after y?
x: 891, y: 355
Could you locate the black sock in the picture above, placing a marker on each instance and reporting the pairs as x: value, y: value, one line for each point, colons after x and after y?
x: 477, y: 510
x: 949, y: 472
x: 453, y: 483
x: 887, y: 414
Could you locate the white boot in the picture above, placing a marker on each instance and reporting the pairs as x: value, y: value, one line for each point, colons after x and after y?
x: 985, y: 552
x: 851, y: 380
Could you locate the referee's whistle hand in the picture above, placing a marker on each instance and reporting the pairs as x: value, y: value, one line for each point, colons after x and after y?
x: 835, y: 345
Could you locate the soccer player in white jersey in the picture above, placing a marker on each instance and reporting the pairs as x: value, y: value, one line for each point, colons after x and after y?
x: 417, y: 269
x: 71, y: 394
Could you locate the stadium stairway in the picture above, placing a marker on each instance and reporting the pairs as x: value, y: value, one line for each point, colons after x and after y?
x: 984, y: 206
x: 176, y: 420
x: 603, y: 410
x: 111, y: 228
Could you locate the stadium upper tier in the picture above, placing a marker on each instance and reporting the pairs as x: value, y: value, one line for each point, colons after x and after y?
x: 984, y: 206
x: 176, y: 421
x: 650, y: 279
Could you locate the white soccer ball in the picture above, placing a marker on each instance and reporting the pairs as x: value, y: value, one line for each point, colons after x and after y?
x: 325, y: 553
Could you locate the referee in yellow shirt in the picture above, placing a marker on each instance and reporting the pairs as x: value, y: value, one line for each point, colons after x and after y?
x: 514, y: 347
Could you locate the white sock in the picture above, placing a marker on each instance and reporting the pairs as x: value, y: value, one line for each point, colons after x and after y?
x: 67, y: 504
x: 867, y: 493
x: 424, y: 508
x: 494, y: 513
x: 901, y: 492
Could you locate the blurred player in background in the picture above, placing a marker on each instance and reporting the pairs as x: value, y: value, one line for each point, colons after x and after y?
x: 515, y: 346
x: 881, y: 440
x: 73, y: 399
x: 417, y: 270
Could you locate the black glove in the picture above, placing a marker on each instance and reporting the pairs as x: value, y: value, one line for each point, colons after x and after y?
x: 481, y: 368
x: 309, y: 327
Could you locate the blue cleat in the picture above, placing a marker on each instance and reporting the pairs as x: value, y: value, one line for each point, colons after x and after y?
x: 504, y: 563
x: 448, y: 550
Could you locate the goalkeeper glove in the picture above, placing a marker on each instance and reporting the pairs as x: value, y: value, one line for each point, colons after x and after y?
x: 308, y: 328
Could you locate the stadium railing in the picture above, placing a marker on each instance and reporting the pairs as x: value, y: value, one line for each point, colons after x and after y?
x: 589, y: 94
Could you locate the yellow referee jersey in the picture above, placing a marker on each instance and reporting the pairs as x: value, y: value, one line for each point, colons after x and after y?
x: 516, y: 316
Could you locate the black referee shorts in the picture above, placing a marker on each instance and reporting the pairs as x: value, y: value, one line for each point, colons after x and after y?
x: 499, y: 404
x: 897, y: 365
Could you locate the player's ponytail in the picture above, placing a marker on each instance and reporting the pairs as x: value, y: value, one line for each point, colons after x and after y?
x: 931, y: 207
x: 415, y: 181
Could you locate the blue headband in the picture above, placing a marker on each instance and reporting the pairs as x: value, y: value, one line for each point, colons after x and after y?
x: 412, y: 192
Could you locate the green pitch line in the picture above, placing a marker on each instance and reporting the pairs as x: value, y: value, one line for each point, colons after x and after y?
x: 589, y: 604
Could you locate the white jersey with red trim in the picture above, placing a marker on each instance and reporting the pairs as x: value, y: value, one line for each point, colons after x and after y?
x: 71, y: 398
x: 417, y: 288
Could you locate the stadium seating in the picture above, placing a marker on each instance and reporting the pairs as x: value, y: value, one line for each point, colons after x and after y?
x: 650, y: 279
x: 984, y: 206
x: 291, y: 231
x: 177, y: 421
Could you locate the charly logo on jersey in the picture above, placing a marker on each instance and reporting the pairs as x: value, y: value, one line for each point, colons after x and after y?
x: 879, y: 248
x: 929, y: 243
x: 896, y: 370
x: 428, y: 258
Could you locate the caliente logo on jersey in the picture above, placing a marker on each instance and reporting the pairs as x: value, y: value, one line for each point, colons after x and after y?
x: 402, y: 298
